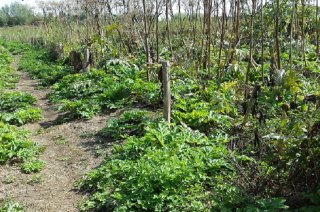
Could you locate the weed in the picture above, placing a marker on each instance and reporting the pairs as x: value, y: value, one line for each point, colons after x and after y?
x: 32, y: 165
x: 9, y: 179
x: 11, y: 206
x: 36, y: 179
x: 60, y: 140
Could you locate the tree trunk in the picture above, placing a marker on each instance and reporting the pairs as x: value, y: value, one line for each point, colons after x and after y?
x: 303, y: 35
x: 146, y: 42
x: 277, y: 34
x: 317, y: 26
x: 262, y: 42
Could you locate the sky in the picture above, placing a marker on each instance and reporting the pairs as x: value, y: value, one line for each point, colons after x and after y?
x: 29, y: 2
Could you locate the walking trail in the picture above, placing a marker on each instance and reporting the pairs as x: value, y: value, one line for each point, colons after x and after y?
x: 72, y: 150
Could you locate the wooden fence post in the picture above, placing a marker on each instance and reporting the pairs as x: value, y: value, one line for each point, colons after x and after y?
x: 86, y: 65
x: 166, y: 90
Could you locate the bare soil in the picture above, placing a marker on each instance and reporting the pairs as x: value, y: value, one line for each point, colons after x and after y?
x: 72, y: 149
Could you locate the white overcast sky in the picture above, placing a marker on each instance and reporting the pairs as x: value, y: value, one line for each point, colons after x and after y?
x: 29, y: 2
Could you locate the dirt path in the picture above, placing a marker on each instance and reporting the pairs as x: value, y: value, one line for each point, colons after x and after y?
x: 71, y: 151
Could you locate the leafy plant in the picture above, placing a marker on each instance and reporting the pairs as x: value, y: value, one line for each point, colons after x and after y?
x: 130, y: 123
x: 32, y: 165
x: 169, y: 168
x: 15, y: 145
x: 10, y: 206
x: 16, y: 108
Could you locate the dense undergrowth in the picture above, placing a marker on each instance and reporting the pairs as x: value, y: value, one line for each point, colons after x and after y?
x: 16, y: 109
x: 247, y: 140
x: 215, y: 155
x: 83, y: 95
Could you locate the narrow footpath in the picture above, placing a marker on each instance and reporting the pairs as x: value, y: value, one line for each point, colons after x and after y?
x: 71, y: 150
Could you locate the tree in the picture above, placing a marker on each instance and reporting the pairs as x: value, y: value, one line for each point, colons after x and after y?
x: 16, y: 14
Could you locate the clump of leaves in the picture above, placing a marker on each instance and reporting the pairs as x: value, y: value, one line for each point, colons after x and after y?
x: 11, y: 206
x: 22, y: 116
x: 11, y: 101
x: 16, y: 108
x: 86, y: 108
x: 15, y: 145
x: 32, y: 165
x: 130, y: 123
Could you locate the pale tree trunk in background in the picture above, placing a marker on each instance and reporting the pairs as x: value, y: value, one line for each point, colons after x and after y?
x: 168, y: 26
x: 209, y: 39
x: 180, y: 18
x: 222, y: 36
x: 204, y: 35
x: 246, y: 92
x: 317, y: 26
x: 303, y: 34
x: 146, y: 45
x: 246, y: 88
x: 291, y: 34
x: 277, y: 34
x: 157, y: 29
x: 236, y: 28
x: 262, y: 42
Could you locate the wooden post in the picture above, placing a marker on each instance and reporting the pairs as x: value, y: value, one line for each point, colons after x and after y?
x: 86, y: 60
x: 166, y: 90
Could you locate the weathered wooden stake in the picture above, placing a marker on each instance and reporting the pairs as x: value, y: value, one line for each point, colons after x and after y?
x: 166, y: 90
x: 86, y: 60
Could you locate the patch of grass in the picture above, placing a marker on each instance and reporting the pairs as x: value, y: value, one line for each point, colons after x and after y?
x: 60, y: 140
x: 63, y: 158
x: 40, y: 131
x: 9, y: 179
x: 36, y: 179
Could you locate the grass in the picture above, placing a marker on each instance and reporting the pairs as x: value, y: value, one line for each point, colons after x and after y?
x: 60, y: 140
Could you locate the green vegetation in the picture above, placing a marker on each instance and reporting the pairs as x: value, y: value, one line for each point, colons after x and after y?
x: 10, y: 206
x: 16, y: 146
x: 84, y: 95
x: 16, y: 108
x: 16, y: 14
x: 245, y: 127
x: 155, y: 172
x: 60, y: 140
x: 7, y: 76
x: 38, y: 63
x: 32, y: 165
x: 132, y: 122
